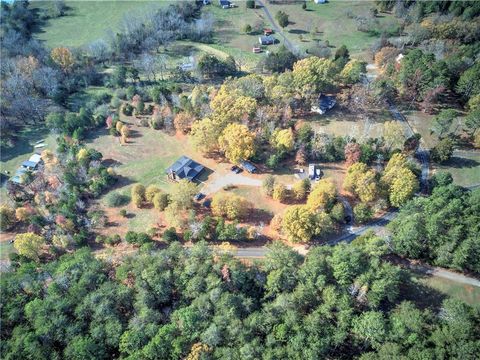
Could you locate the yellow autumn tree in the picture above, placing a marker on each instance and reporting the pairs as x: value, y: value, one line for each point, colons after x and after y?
x: 283, y: 139
x: 229, y: 106
x: 205, y: 135
x: 313, y: 75
x: 63, y: 57
x: 400, y: 180
x: 299, y: 224
x: 323, y: 195
x: 362, y: 182
x: 29, y: 245
x: 237, y: 142
x: 230, y: 206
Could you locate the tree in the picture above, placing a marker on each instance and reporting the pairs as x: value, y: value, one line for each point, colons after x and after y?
x: 280, y: 60
x: 443, y: 151
x: 247, y: 29
x: 468, y: 82
x: 182, y: 194
x: 29, y: 245
x: 7, y: 217
x: 160, y: 201
x: 280, y: 192
x: 370, y: 327
x: 231, y: 206
x: 322, y: 196
x: 353, y: 153
x: 403, y: 187
x: 301, y: 156
x: 394, y: 134
x: 282, y: 18
x: 250, y: 4
x: 301, y: 189
x: 138, y: 195
x: 362, y: 212
x: 443, y: 122
x: 268, y: 184
x: 63, y: 57
x: 361, y: 181
x: 283, y: 139
x: 299, y: 224
x: 150, y: 192
x: 183, y: 122
x: 353, y: 71
x: 205, y: 134
x: 237, y: 143
x: 313, y: 75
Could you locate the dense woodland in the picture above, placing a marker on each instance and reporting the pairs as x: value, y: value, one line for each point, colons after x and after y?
x: 346, y: 301
x: 339, y: 302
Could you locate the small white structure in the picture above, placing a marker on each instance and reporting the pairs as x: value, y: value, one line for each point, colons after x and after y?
x: 319, y: 1
x: 314, y: 172
x: 399, y: 58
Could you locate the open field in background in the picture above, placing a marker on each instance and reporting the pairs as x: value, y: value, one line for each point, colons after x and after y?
x: 87, y: 21
x: 342, y: 124
x: 464, y: 167
x: 467, y: 293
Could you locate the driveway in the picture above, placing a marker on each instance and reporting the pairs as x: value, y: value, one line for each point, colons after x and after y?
x: 218, y: 181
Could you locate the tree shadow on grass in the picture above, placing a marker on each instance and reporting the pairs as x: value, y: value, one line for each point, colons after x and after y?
x: 411, y: 289
x: 459, y: 162
x: 298, y: 31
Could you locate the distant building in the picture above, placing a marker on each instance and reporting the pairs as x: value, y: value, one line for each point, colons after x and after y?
x: 267, y: 31
x: 324, y: 103
x: 224, y: 4
x: 184, y: 168
x: 319, y: 1
x: 248, y: 166
x: 266, y: 40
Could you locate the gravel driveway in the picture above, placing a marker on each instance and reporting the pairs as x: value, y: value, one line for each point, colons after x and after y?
x: 219, y: 181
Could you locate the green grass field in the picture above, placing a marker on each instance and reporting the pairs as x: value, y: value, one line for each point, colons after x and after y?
x: 87, y: 21
x: 464, y: 167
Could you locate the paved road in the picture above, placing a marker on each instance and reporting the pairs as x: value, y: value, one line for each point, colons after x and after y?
x: 277, y: 29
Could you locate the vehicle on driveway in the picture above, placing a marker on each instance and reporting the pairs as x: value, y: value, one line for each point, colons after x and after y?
x: 236, y: 169
x: 199, y: 197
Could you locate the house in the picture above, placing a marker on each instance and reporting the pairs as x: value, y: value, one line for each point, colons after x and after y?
x: 319, y: 1
x: 266, y: 40
x: 30, y: 165
x: 324, y: 104
x: 184, y: 168
x: 267, y: 31
x: 224, y: 4
x: 19, y: 178
x: 206, y: 2
x: 248, y: 166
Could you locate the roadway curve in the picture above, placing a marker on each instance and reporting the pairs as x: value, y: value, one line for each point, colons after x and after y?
x: 277, y: 29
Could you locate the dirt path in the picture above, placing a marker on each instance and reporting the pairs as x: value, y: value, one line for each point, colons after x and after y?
x: 220, y: 180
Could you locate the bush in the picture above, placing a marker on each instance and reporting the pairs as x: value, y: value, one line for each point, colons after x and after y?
x: 127, y: 109
x: 116, y: 199
x: 170, y: 235
x: 268, y: 184
x: 123, y: 213
x: 250, y: 4
x: 160, y: 201
x: 150, y: 193
x: 338, y: 212
x: 273, y: 161
x: 138, y: 194
x: 135, y: 238
x: 280, y: 192
x: 443, y: 151
x: 363, y: 213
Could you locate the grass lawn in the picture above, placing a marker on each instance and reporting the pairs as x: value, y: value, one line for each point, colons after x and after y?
x: 11, y: 158
x: 5, y: 250
x: 87, y: 21
x: 464, y: 167
x: 332, y: 23
x: 467, y: 293
x: 343, y: 124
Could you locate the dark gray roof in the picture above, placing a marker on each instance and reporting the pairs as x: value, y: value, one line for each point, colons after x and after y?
x: 29, y: 164
x: 326, y: 102
x: 185, y: 168
x: 267, y: 39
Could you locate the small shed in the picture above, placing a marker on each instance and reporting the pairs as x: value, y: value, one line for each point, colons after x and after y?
x: 266, y: 40
x: 319, y: 1
x: 324, y: 103
x: 248, y: 166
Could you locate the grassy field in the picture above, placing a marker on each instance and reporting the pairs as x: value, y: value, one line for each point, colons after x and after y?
x: 464, y: 167
x: 5, y: 250
x: 467, y: 293
x: 12, y: 158
x: 87, y: 21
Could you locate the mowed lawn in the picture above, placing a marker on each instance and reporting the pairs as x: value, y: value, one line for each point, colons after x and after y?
x: 464, y: 167
x: 332, y: 22
x: 87, y: 21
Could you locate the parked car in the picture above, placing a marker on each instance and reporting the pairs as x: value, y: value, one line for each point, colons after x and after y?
x: 236, y: 169
x: 207, y: 203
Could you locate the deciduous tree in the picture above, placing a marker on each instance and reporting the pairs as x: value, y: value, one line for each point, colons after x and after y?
x: 29, y: 245
x: 237, y: 142
x: 322, y: 196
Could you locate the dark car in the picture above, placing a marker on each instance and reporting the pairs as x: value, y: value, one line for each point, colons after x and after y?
x: 348, y: 219
x: 236, y: 169
x: 198, y: 197
x: 207, y: 203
